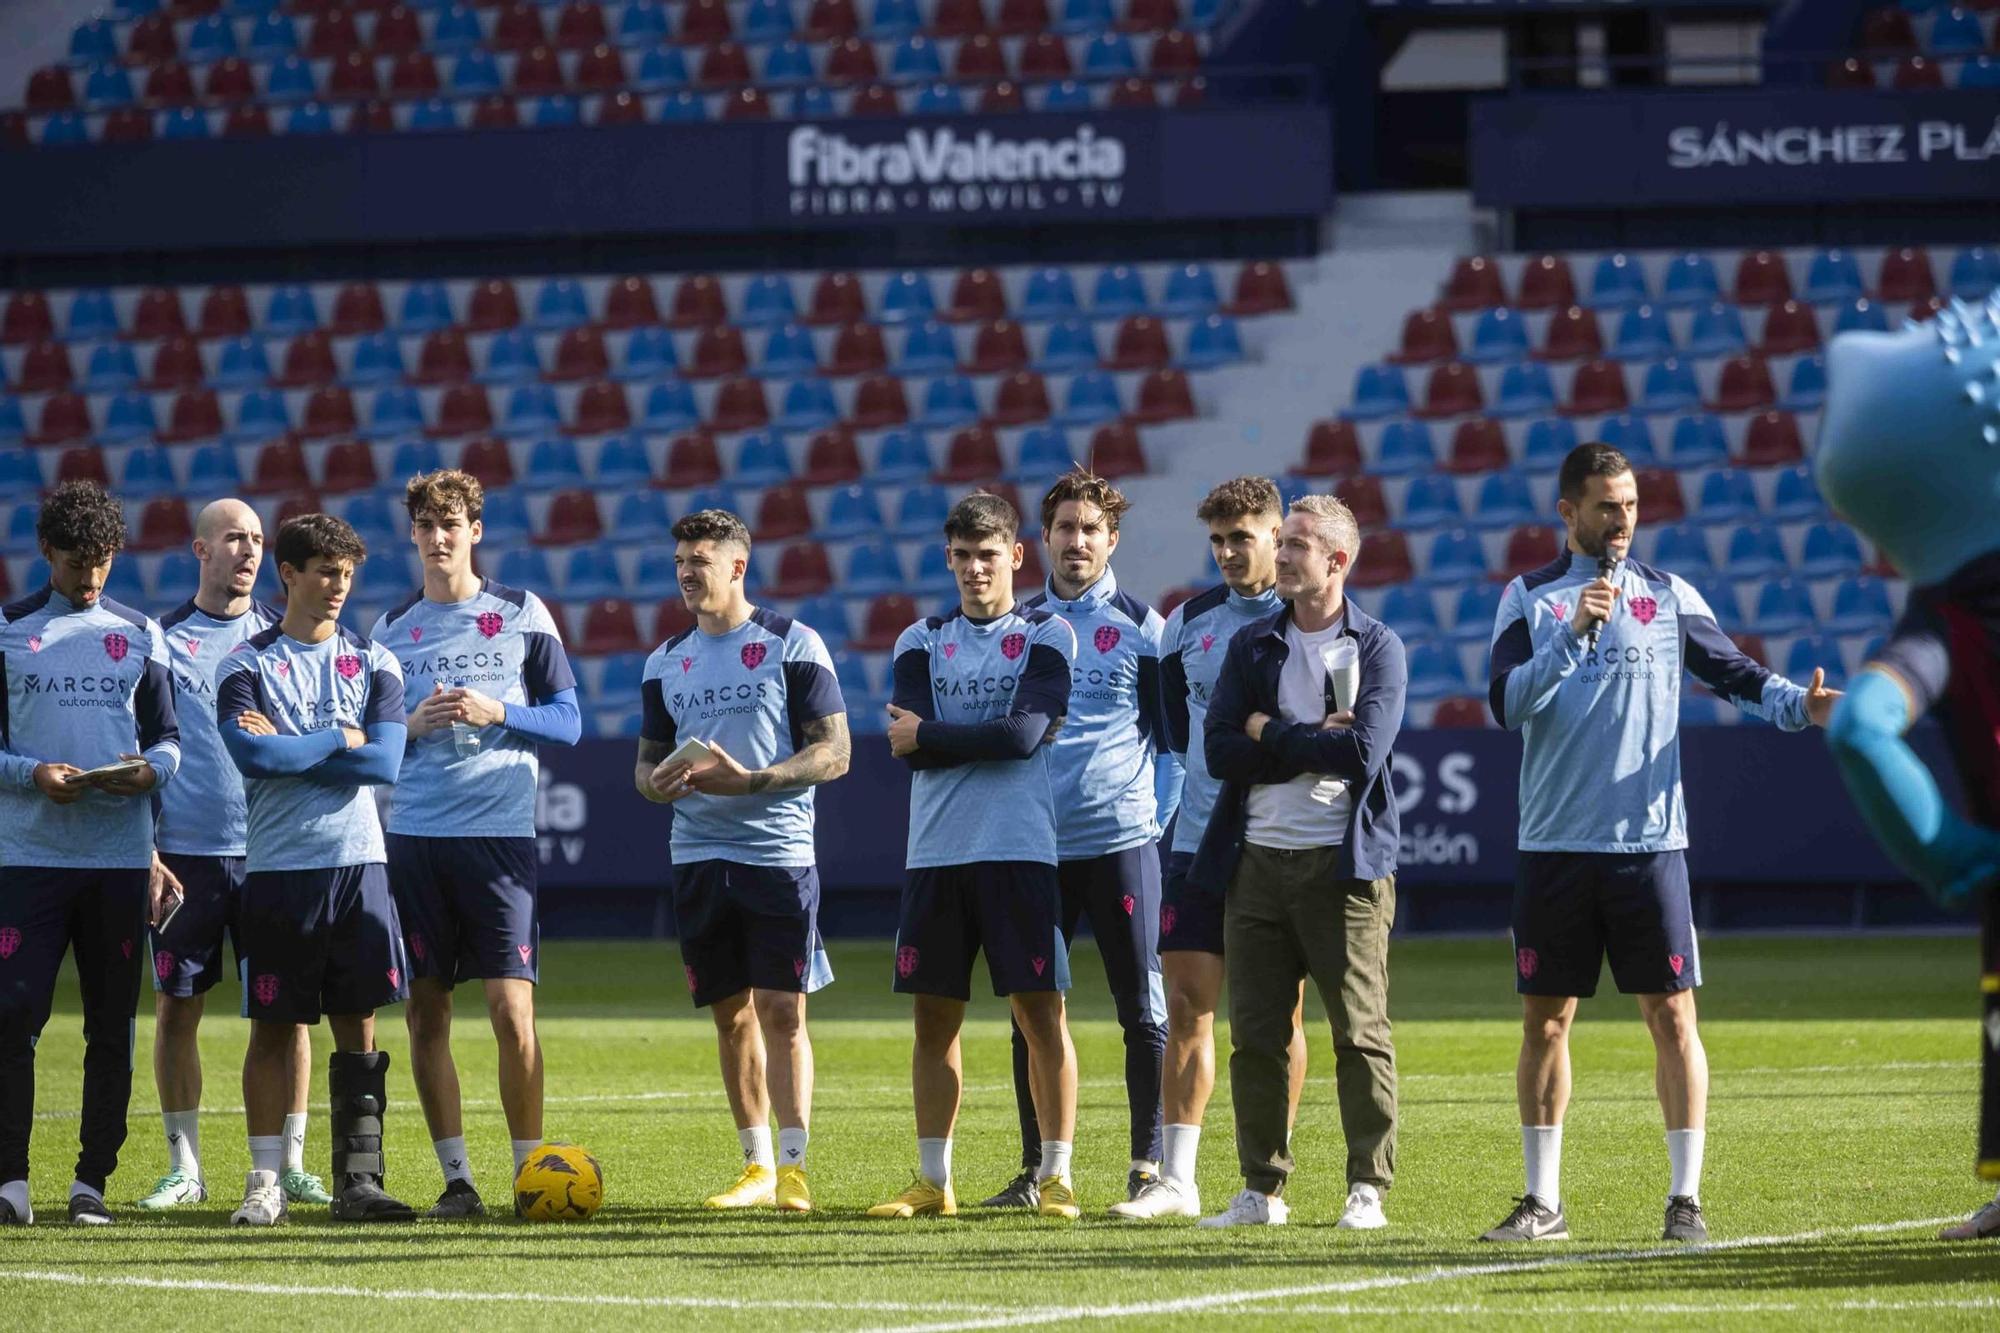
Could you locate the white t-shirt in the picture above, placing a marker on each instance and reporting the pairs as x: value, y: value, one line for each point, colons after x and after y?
x: 1311, y: 810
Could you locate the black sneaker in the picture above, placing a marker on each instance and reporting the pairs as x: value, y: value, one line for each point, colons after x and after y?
x: 1021, y: 1192
x: 1684, y: 1221
x: 1137, y: 1181
x: 87, y: 1210
x: 459, y: 1200
x: 1531, y: 1220
x: 10, y: 1218
x: 362, y: 1200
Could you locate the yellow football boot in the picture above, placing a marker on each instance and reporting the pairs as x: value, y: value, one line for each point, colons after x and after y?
x: 794, y: 1195
x: 755, y: 1188
x: 919, y: 1198
x: 1058, y: 1199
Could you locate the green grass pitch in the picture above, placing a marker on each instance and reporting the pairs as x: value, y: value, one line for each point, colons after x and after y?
x: 1841, y: 1127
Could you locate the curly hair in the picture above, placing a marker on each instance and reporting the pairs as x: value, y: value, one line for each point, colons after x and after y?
x: 713, y: 525
x: 78, y: 517
x: 1085, y: 487
x: 983, y: 514
x: 443, y: 493
x: 312, y: 537
x: 1240, y: 497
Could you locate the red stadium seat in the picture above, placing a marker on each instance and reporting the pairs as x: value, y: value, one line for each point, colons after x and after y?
x: 1789, y: 327
x: 538, y: 72
x: 1004, y: 95
x: 230, y: 80
x: 888, y: 616
x: 177, y: 364
x: 493, y: 306
x: 1474, y: 284
x: 1141, y: 344
x: 727, y: 66
x: 1927, y: 309
x: 783, y: 512
x: 1164, y: 395
x: 357, y: 309
x: 49, y: 89
x: 1573, y: 336
x: 1599, y: 387
x: 44, y: 366
x: 837, y: 298
x: 224, y: 313
x: 698, y: 303
x: 329, y: 411
x: 308, y: 361
x: 572, y: 519
x: 291, y: 507
x: 151, y: 40
x: 740, y: 405
x: 1906, y: 276
x: 831, y: 458
x: 874, y: 100
x: 65, y: 416
x: 980, y: 56
x: 1452, y: 390
x: 1744, y: 385
x: 1888, y: 32
x: 997, y: 348
x: 958, y: 18
x: 1333, y: 449
x: 1850, y: 73
x: 195, y: 415
x: 976, y: 295
x: 1478, y: 445
x: 85, y: 463
x: 27, y: 318
x: 671, y: 620
x: 1546, y: 284
x: 580, y: 26
x: 1021, y: 398
x: 495, y: 111
x: 1660, y: 497
x: 163, y: 525
x: 1427, y: 336
x: 1044, y: 56
x: 1174, y: 52
x: 353, y: 77
x: 803, y: 571
x: 1461, y: 712
x: 972, y: 455
x: 350, y: 466
x: 414, y: 74
x: 620, y: 108
x: 1528, y: 549
x: 1133, y: 93
x: 692, y: 461
x: 444, y: 358
x: 1753, y: 647
x: 1772, y: 440
x: 1762, y: 279
x: 1032, y: 574
x: 247, y: 122
x: 879, y: 402
x: 333, y: 35
x: 168, y: 84
x: 580, y: 355
x: 1150, y: 16
x: 280, y: 469
x: 1191, y: 92
x: 1021, y: 17
x: 397, y: 32
x: 1116, y: 451
x: 1918, y: 74
x: 830, y: 21
x: 858, y: 349
x: 601, y: 69
x: 704, y: 23
x: 851, y: 60
x: 718, y: 351
x: 601, y: 409
x: 463, y: 410
x: 518, y: 27
x: 1384, y: 561
x: 489, y: 461
x: 1366, y: 500
x: 609, y: 626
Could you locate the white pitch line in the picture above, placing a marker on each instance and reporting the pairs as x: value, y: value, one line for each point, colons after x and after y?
x: 1640, y: 1308
x: 1220, y: 1300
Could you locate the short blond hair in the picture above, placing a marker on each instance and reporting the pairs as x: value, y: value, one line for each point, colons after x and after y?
x: 1333, y: 521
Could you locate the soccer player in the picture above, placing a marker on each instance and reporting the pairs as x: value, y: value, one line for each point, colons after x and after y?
x: 1243, y: 516
x: 485, y: 666
x: 83, y: 684
x: 1587, y: 657
x: 312, y: 714
x: 759, y: 692
x: 1904, y: 460
x: 200, y: 840
x: 1108, y: 811
x: 978, y: 695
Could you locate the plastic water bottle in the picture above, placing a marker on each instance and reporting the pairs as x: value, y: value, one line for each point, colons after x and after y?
x: 464, y: 736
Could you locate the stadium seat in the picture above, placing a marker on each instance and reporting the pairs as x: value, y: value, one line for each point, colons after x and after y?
x: 1661, y: 499
x: 1643, y: 334
x: 1833, y: 276
x: 972, y: 455
x: 887, y: 617
x: 1434, y: 672
x: 1190, y: 290
x: 1118, y: 290
x: 803, y: 570
x: 1979, y: 72
x: 1407, y: 609
x: 1795, y: 495
x: 580, y: 355
x: 1430, y: 502
x: 783, y: 511
x: 506, y: 517
x: 592, y: 573
x: 671, y: 619
x: 1163, y: 395
x: 1116, y: 451
x: 82, y: 464
x: 148, y: 471
x: 1333, y: 449
x: 1670, y: 386
x: 1474, y: 609
x: 1743, y: 385
x: 1452, y: 389
x: 553, y: 464
x: 531, y: 410
x: 1140, y: 344
x: 997, y: 348
x: 641, y: 516
x: 1756, y: 552
x: 1617, y: 281
x: 1403, y: 448
x: 1261, y: 286
x: 1546, y: 442
x: 718, y: 352
x: 1597, y: 387
x: 1068, y: 344
x: 906, y: 297
x: 413, y: 456
x: 807, y: 405
x: 948, y: 401
x: 1528, y: 548
x: 1829, y: 549
x: 1474, y: 284
x: 609, y: 626
x: 1428, y: 336
x: 1861, y: 315
x: 622, y: 462
x: 308, y: 361
x: 1478, y: 444
x: 1975, y: 273
x: 1050, y: 293
x: 1504, y: 501
x: 1021, y: 398
x: 1783, y: 607
x: 1762, y: 279
x: 1681, y: 548
x: 44, y: 366
x: 1860, y: 606
x: 1727, y: 496
x: 902, y: 455
x: 1456, y: 556
x: 852, y: 511
x: 348, y: 466
x: 1772, y: 440
x: 572, y: 519
x: 873, y: 569
x: 195, y: 415
x: 1526, y: 389
x: 1498, y: 336
x: 1807, y: 391
x: 1790, y: 327
x: 1918, y: 74
x: 1546, y: 283
x: 1717, y: 330
x: 1698, y: 441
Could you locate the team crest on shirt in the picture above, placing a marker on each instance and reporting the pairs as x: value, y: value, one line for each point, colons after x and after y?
x: 489, y: 623
x: 1644, y: 609
x: 1013, y: 646
x: 10, y: 941
x: 1106, y: 638
x: 116, y: 646
x: 348, y: 665
x: 753, y: 655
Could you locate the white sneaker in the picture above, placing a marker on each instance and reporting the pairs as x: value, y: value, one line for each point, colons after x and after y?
x: 263, y: 1201
x: 1251, y: 1209
x: 1160, y: 1198
x: 1364, y: 1210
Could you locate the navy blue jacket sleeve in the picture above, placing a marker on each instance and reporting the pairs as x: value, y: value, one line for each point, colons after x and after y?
x: 1356, y: 753
x: 1232, y: 756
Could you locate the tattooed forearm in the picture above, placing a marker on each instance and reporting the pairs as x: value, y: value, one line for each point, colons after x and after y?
x: 823, y: 758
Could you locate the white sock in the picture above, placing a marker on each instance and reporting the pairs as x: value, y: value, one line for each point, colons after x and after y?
x: 1178, y: 1161
x: 1542, y: 1150
x: 522, y: 1147
x: 183, y: 1141
x: 1141, y: 1164
x: 792, y: 1146
x: 1055, y: 1160
x: 295, y: 1141
x: 267, y: 1152
x: 16, y: 1193
x: 77, y: 1187
x: 452, y: 1159
x: 1684, y: 1149
x: 756, y: 1142
x: 934, y: 1160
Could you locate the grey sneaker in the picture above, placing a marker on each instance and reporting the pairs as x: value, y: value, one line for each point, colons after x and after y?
x: 10, y: 1218
x: 87, y: 1210
x: 1021, y: 1192
x: 1684, y: 1221
x: 1981, y: 1225
x: 1531, y: 1220
x: 1160, y: 1198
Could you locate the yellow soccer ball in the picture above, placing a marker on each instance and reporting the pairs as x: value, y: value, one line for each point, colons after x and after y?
x: 559, y: 1182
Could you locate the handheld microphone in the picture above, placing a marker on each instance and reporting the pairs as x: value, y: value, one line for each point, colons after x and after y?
x: 1606, y: 567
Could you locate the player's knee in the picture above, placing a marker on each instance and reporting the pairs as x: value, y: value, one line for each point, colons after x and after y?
x: 937, y: 1024
x: 1672, y: 1024
x: 428, y: 1016
x: 1040, y: 1017
x: 1541, y: 1028
x: 781, y: 1016
x: 176, y: 1017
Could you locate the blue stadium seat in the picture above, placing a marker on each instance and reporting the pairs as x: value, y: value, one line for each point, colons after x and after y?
x: 682, y: 107
x: 1050, y: 293
x: 1808, y: 385
x: 1698, y: 441
x: 1833, y: 275
x: 91, y: 316
x: 20, y: 476
x: 108, y: 86
x: 1404, y: 447
x: 928, y: 349
x: 309, y: 118
x: 948, y: 401
x: 1118, y: 291
x: 1435, y: 672
x: 1630, y: 435
x: 852, y: 511
x: 1500, y: 335
x: 894, y: 18
x: 380, y: 527
x: 619, y: 680
x: 128, y: 416
x: 20, y: 539
x: 827, y: 615
x: 1956, y: 32
x: 762, y: 460
x: 1980, y: 72
x: 1796, y: 495
x: 209, y: 39
x: 766, y: 21
x: 1505, y: 501
x: 1975, y: 273
x: 1474, y: 611
x: 474, y: 73
x: 1213, y: 340
x: 1190, y: 290
x: 622, y: 461
x: 1069, y: 95
x: 553, y: 465
x: 1617, y: 281
x: 524, y: 567
x: 410, y: 457
x: 1085, y: 16
x: 1682, y: 548
x: 434, y: 113
x: 212, y: 470
x: 289, y: 311
x: 397, y: 410
x: 915, y: 57
x: 641, y: 26
x: 1110, y: 53
x: 661, y: 69
x: 655, y: 571
x: 290, y: 79
x: 934, y: 577
x: 670, y: 408
x: 1379, y: 391
x: 1407, y: 609
x: 1201, y: 15
x: 767, y: 299
x: 1726, y: 497
x: 1670, y: 387
x: 123, y: 584
x: 111, y: 366
x: 506, y: 520
x: 377, y: 359
x: 1525, y: 390
x: 425, y: 308
x: 1644, y: 334
x: 1044, y: 455
x: 1812, y: 651
x: 788, y: 352
x: 906, y: 297
x: 1829, y: 549
x: 1547, y: 442
x: 1756, y: 552
x: 1070, y: 344
x: 921, y: 512
x: 457, y: 30
x: 93, y: 42
x: 1783, y: 607
x: 1861, y: 315
x: 556, y: 110
x: 148, y: 471
x: 69, y: 127
x: 712, y: 497
x: 1456, y: 556
x: 12, y: 427
x: 808, y: 404
x: 850, y: 671
x: 873, y: 568
x: 649, y: 354
x: 531, y: 410
x: 260, y: 415
x: 559, y: 305
x: 1689, y: 280
x: 1719, y: 594
x: 1860, y: 606
x: 938, y: 99
x: 1717, y: 331
x: 904, y: 455
x: 177, y: 573
x: 641, y: 516
x: 593, y: 573
x: 1092, y: 398
x: 1430, y: 502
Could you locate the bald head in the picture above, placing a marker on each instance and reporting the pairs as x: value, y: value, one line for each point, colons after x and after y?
x: 229, y: 543
x: 219, y: 516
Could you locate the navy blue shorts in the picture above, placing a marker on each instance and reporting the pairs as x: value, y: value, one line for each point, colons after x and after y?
x: 468, y: 906
x: 744, y: 926
x: 187, y: 956
x: 1120, y: 893
x: 1190, y: 915
x: 321, y: 942
x: 1011, y: 909
x: 1572, y: 909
